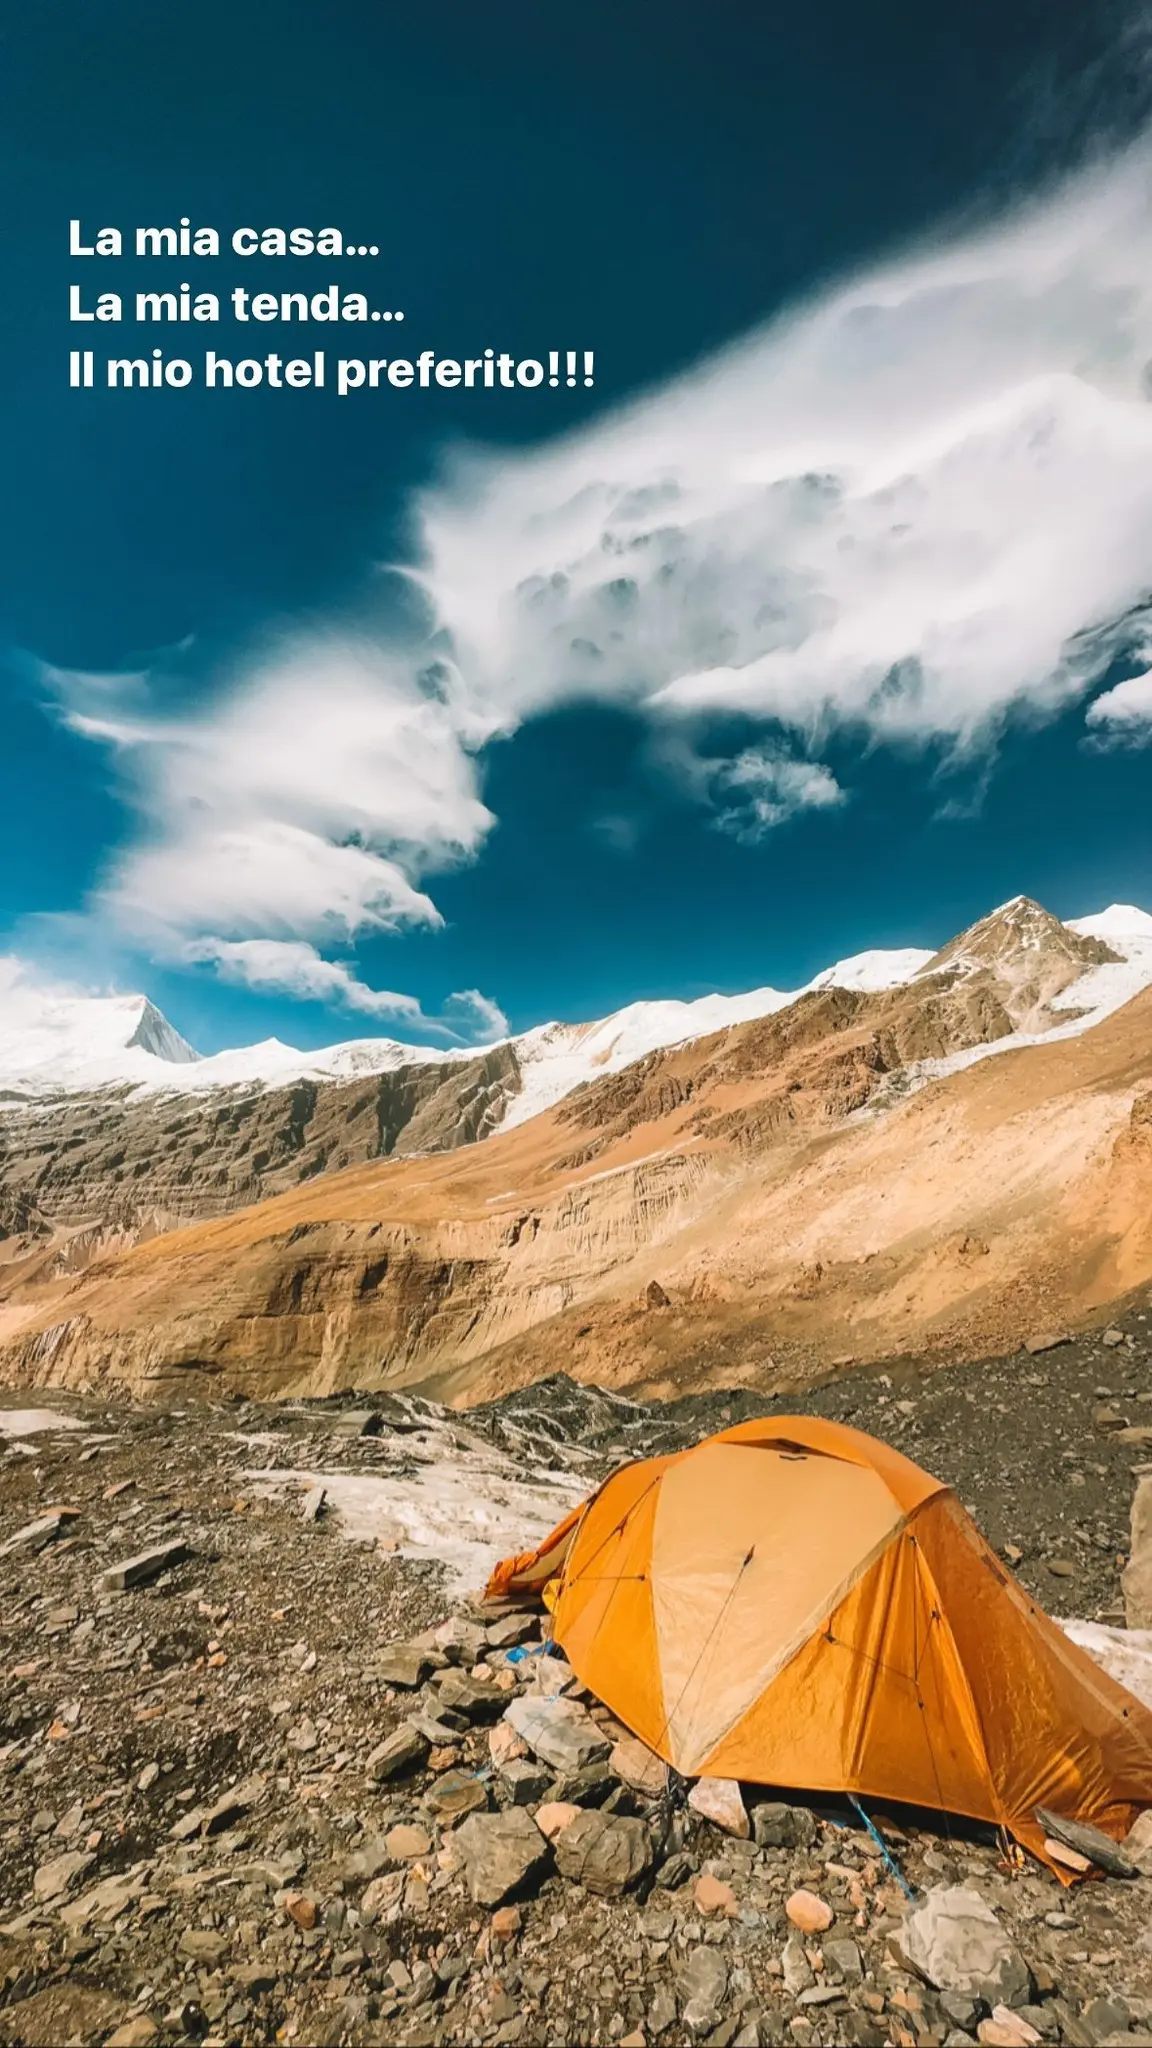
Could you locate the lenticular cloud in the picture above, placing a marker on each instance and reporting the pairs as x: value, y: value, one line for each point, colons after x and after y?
x: 921, y: 501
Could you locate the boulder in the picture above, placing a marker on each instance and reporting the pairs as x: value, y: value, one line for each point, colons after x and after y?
x: 559, y: 1731
x: 605, y: 1852
x: 500, y: 1852
x: 719, y: 1800
x: 1137, y: 1578
x: 956, y: 1943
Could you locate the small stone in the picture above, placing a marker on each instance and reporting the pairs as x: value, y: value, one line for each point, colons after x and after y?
x: 304, y: 1736
x: 713, y: 1896
x: 1138, y: 1842
x: 456, y: 1793
x: 703, y: 1984
x: 843, y: 1959
x: 405, y: 1843
x: 303, y: 1910
x: 381, y: 1895
x: 719, y: 1800
x: 504, y: 1745
x: 399, y: 1754
x: 796, y: 1968
x: 1112, y: 1337
x: 203, y: 1945
x: 639, y: 1767
x: 808, y: 1912
x: 141, y: 1570
x: 556, y: 1815
x: 506, y: 1922
x: 1046, y: 1340
x: 1006, y: 2029
x: 137, y: 2032
x: 313, y: 1504
x: 511, y: 1630
x: 1060, y: 1568
x: 53, y: 1879
x: 661, y: 2013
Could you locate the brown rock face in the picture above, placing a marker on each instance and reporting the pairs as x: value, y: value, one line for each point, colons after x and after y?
x: 114, y: 1165
x: 749, y: 1206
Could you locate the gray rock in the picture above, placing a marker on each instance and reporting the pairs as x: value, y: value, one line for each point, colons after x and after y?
x: 559, y: 1731
x: 313, y: 1503
x: 34, y: 1535
x: 399, y: 1753
x: 1137, y: 1576
x: 510, y: 1630
x: 661, y: 2012
x: 965, y: 2013
x: 459, y: 1694
x: 703, y: 1982
x: 53, y: 1879
x: 1104, y: 2019
x: 605, y: 1852
x: 956, y: 1942
x: 141, y: 1570
x: 527, y: 1782
x: 500, y: 1852
x: 777, y: 1826
x: 404, y: 1664
x: 797, y: 1974
x: 463, y: 1640
x: 842, y: 1959
x: 455, y: 1793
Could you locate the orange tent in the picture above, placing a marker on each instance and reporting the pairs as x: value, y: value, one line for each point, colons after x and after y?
x: 793, y: 1603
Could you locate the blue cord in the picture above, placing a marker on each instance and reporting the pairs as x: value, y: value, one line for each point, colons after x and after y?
x: 885, y: 1852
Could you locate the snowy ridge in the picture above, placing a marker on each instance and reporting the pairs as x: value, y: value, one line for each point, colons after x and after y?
x: 54, y: 1043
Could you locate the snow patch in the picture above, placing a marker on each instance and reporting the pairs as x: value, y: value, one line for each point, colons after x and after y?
x: 1124, y: 1653
x: 465, y: 1506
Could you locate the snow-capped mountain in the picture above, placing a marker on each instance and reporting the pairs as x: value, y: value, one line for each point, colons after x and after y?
x: 54, y: 1044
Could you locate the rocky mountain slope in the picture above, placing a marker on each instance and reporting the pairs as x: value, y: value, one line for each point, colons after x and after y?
x: 850, y: 1175
x: 242, y: 1804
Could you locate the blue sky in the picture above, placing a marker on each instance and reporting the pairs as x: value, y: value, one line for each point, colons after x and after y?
x: 818, y: 623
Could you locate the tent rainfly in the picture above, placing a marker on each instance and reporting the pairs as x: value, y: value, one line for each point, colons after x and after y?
x: 793, y: 1603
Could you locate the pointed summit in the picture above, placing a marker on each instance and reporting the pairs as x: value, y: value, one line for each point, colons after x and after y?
x: 1030, y: 956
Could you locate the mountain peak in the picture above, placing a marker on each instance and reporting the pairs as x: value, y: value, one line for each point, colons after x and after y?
x: 1033, y: 957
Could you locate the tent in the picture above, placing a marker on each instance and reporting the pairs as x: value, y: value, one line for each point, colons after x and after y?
x: 793, y: 1603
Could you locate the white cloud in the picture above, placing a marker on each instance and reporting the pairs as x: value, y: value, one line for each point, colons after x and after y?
x: 761, y: 789
x: 1125, y: 713
x: 305, y: 803
x: 293, y: 967
x: 894, y: 510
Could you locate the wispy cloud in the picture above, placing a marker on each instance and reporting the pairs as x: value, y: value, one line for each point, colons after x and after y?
x: 293, y: 967
x: 1123, y: 715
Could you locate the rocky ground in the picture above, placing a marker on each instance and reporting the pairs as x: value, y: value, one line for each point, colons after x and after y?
x: 252, y: 1797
